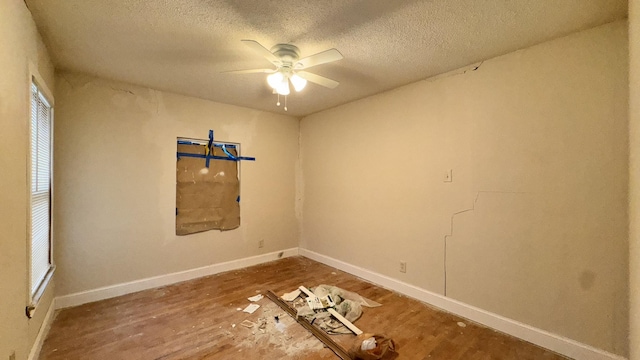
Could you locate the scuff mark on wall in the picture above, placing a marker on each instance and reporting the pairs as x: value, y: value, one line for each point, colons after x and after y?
x: 587, y: 279
x: 472, y: 208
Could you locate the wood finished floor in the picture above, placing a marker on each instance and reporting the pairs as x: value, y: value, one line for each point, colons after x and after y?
x: 195, y: 320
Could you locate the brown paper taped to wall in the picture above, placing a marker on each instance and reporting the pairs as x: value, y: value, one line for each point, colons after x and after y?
x: 206, y: 198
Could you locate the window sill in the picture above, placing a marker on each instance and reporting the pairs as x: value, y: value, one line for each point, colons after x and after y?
x: 35, y: 298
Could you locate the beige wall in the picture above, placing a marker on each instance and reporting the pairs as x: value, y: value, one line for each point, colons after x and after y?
x: 537, y: 141
x: 115, y: 182
x: 634, y: 177
x: 20, y: 49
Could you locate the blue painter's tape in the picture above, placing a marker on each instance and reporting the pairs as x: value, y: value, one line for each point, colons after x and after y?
x: 218, y: 145
x: 208, y: 156
x: 228, y: 153
x: 228, y: 146
x: 213, y: 157
x: 209, y: 149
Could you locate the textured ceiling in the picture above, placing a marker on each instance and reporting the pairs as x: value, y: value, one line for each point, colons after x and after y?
x: 183, y: 45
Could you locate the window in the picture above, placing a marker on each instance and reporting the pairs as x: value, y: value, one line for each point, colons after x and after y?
x: 40, y: 209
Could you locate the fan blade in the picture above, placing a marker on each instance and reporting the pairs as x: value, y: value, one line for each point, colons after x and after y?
x: 320, y: 80
x: 250, y: 71
x: 319, y: 58
x: 262, y: 51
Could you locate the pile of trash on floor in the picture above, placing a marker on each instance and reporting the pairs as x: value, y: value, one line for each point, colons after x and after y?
x: 346, y: 303
x: 334, y: 310
x: 323, y: 310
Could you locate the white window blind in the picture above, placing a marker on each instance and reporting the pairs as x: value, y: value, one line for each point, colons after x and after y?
x: 41, y: 116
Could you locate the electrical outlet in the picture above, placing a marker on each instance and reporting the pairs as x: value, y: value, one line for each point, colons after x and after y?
x: 403, y: 266
x: 261, y: 243
x: 12, y: 356
x: 448, y: 175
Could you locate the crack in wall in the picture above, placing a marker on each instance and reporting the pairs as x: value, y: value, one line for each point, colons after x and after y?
x: 156, y: 94
x: 64, y: 77
x: 122, y: 90
x: 461, y: 71
x: 472, y: 208
x: 299, y: 188
x: 475, y: 67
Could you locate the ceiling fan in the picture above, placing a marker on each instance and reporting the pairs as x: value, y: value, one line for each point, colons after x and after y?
x: 290, y: 68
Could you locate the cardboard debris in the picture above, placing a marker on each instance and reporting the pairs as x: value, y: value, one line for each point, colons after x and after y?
x: 206, y: 198
x: 322, y: 336
x: 251, y: 308
x: 316, y: 303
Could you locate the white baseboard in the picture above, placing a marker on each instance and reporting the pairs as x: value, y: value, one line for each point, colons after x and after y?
x: 553, y: 342
x: 168, y: 279
x: 42, y: 333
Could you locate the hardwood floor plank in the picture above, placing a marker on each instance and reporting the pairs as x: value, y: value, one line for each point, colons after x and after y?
x: 199, y: 319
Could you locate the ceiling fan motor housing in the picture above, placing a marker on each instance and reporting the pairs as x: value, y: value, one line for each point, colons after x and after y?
x: 287, y: 53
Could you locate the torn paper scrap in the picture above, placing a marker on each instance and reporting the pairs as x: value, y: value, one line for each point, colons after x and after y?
x: 247, y: 323
x: 251, y: 308
x: 290, y: 296
x: 256, y: 298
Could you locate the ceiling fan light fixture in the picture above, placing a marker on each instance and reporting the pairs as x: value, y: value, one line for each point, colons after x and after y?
x: 275, y: 80
x: 298, y: 82
x: 283, y: 87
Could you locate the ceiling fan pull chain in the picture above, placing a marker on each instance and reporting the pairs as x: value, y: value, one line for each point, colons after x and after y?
x: 285, y: 103
x: 278, y: 103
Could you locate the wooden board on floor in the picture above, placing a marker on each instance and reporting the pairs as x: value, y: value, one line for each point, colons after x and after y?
x: 195, y: 320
